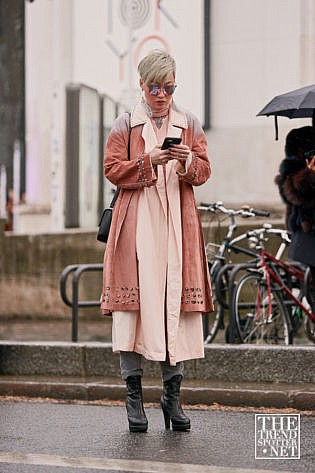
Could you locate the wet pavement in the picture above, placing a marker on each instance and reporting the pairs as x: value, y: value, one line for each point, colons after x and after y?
x: 45, y: 437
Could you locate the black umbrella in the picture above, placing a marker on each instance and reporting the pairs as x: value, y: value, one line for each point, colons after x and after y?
x: 299, y: 103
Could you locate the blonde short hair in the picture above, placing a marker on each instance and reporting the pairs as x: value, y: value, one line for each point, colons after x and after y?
x: 156, y: 66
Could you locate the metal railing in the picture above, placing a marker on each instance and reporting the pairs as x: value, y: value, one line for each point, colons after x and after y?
x: 76, y: 270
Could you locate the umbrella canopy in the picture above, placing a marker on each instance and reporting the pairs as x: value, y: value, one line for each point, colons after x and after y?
x: 299, y: 103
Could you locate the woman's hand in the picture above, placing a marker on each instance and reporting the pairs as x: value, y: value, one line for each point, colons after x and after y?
x: 159, y: 156
x: 177, y: 152
x: 180, y: 153
x: 311, y: 164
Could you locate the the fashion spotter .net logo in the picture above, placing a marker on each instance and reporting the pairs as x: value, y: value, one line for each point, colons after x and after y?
x: 277, y: 436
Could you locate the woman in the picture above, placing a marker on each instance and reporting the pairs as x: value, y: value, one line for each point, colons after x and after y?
x: 156, y: 281
x: 296, y: 181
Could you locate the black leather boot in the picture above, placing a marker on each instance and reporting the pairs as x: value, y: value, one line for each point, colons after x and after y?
x: 137, y: 419
x: 171, y: 406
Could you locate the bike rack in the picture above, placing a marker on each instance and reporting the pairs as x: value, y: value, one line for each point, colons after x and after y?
x: 76, y: 270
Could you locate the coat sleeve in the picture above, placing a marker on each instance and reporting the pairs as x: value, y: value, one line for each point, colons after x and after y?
x: 127, y: 173
x: 198, y: 171
x: 299, y: 188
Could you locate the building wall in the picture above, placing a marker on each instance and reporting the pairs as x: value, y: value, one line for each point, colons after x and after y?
x: 39, y: 94
x: 256, y: 51
x: 259, y: 48
x: 30, y: 270
x: 48, y: 70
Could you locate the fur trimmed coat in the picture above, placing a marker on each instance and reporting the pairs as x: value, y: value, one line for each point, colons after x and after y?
x: 297, y: 187
x: 120, y: 276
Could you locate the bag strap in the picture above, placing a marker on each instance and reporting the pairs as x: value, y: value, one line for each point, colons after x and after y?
x: 116, y: 194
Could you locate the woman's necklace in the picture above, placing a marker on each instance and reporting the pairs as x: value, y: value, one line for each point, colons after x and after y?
x: 159, y: 120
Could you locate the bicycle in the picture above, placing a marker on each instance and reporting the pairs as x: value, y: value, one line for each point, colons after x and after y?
x: 219, y: 267
x: 265, y: 299
x: 309, y: 323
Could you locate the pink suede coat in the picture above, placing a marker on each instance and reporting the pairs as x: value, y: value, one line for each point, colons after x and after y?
x: 120, y: 276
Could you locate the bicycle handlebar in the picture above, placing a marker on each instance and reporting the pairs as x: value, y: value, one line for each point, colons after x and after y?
x: 245, y: 211
x: 260, y: 213
x: 259, y: 232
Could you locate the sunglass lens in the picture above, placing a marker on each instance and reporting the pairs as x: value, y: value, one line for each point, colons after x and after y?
x: 154, y: 89
x: 169, y: 89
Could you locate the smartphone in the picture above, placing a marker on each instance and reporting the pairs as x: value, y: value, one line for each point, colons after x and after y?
x: 169, y: 141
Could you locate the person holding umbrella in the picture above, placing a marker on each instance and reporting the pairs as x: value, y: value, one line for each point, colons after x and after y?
x: 296, y: 181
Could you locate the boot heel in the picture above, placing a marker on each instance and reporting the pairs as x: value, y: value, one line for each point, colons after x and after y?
x: 167, y: 418
x: 171, y: 407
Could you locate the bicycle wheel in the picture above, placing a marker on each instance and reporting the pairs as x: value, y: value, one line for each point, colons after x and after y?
x: 294, y: 282
x: 309, y: 324
x: 251, y: 315
x: 309, y: 327
x: 214, y: 321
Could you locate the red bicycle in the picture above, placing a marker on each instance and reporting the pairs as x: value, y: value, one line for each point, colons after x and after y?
x: 271, y: 300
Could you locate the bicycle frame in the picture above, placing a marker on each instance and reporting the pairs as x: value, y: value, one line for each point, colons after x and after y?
x: 228, y: 243
x: 218, y: 260
x: 220, y: 266
x: 275, y: 276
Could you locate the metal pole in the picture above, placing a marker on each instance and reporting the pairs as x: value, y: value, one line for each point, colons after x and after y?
x: 16, y: 172
x: 75, y: 304
x: 3, y: 191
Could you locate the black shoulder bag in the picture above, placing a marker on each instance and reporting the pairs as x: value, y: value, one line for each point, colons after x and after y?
x: 106, y: 218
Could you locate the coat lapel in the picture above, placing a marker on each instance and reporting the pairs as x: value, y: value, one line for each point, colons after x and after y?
x: 140, y: 117
x: 177, y: 122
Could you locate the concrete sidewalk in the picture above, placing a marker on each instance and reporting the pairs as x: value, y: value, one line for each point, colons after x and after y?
x: 235, y: 375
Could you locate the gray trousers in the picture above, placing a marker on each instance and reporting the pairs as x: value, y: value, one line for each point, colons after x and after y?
x: 131, y: 362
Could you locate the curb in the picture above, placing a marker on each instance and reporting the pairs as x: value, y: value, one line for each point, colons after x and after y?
x: 231, y: 375
x: 230, y: 363
x: 284, y: 396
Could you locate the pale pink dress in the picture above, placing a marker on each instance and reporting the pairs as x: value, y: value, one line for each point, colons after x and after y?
x: 159, y: 250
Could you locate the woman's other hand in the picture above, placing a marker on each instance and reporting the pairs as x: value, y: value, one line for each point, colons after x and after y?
x: 180, y: 153
x: 311, y: 164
